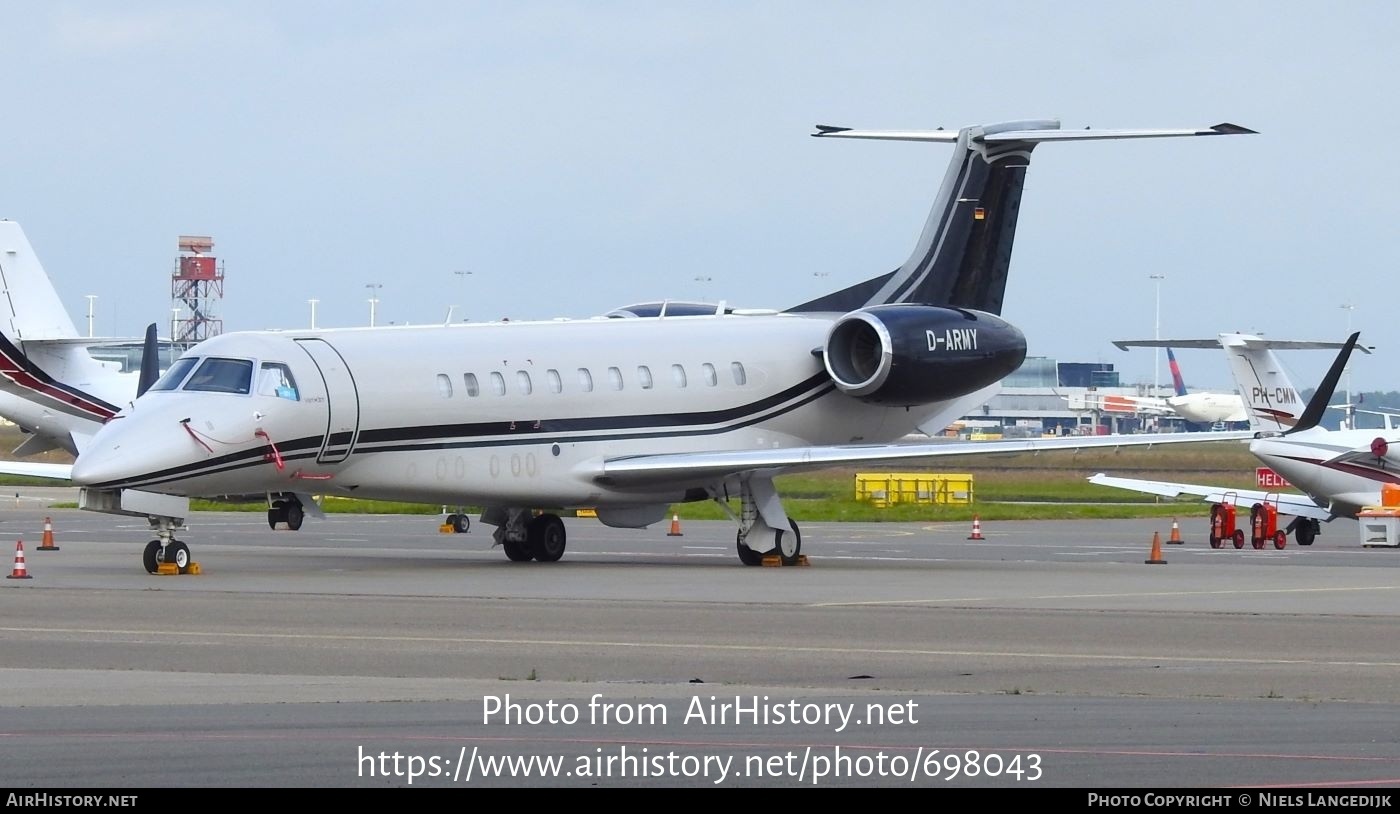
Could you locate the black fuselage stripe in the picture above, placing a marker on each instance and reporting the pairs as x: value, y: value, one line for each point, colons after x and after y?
x: 752, y: 414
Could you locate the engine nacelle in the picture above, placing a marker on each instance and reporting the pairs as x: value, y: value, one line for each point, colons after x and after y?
x: 904, y: 355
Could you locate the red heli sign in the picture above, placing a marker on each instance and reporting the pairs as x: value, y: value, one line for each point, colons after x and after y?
x: 1269, y: 479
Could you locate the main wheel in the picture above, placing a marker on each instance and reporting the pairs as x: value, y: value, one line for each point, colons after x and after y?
x: 517, y: 552
x: 1238, y: 538
x: 790, y: 545
x: 294, y: 514
x: 461, y: 524
x: 747, y: 555
x: 547, y: 538
x: 1305, y: 533
x: 178, y: 553
x: 1280, y: 539
x: 276, y: 515
x: 151, y: 556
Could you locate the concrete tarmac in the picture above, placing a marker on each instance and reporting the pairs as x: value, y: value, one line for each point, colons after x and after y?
x: 296, y: 655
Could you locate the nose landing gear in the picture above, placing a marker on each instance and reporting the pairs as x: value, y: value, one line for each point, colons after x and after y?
x: 165, y: 549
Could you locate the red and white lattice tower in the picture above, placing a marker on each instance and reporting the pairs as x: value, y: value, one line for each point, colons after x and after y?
x: 195, y: 291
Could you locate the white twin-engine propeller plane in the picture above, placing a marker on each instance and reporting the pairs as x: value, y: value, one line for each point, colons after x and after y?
x: 626, y: 415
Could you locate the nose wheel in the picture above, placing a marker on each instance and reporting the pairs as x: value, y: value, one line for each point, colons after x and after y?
x: 165, y: 549
x: 174, y: 552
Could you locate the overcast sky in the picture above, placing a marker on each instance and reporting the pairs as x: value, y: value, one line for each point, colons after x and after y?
x: 576, y: 157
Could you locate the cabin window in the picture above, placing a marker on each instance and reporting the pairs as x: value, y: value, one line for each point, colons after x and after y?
x: 678, y: 375
x: 644, y: 376
x: 498, y: 383
x: 176, y: 374
x: 222, y: 376
x: 708, y: 370
x: 585, y: 380
x: 556, y: 385
x: 444, y: 385
x: 740, y: 377
x: 522, y: 381
x: 473, y: 386
x: 275, y: 379
x: 615, y: 378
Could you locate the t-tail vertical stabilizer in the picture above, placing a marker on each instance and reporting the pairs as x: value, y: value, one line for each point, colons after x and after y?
x: 964, y: 252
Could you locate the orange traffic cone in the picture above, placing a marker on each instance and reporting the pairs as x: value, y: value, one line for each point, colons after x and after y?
x: 1156, y: 557
x: 47, y: 543
x: 675, y: 526
x: 1175, y: 539
x: 20, y: 571
x: 976, y: 529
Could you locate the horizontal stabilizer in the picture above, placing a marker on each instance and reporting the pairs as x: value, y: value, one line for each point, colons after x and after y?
x: 1029, y: 136
x: 1245, y: 341
x: 1087, y: 134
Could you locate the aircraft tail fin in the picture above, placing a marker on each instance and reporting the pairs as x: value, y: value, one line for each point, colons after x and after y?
x: 1178, y: 383
x: 30, y: 308
x: 1270, y: 399
x: 964, y: 253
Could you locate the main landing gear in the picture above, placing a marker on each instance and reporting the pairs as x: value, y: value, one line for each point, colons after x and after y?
x: 758, y: 537
x: 165, y: 548
x: 1305, y: 530
x: 524, y: 536
x: 287, y: 510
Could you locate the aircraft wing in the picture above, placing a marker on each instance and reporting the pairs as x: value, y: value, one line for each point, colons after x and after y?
x: 1296, y: 505
x: 642, y: 469
x: 36, y: 470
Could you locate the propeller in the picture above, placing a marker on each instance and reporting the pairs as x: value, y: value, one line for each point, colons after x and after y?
x: 150, y: 361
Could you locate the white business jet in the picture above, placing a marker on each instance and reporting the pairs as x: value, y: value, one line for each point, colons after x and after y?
x: 624, y: 415
x: 1338, y: 472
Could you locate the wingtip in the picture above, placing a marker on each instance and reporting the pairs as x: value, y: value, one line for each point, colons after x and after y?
x: 825, y: 129
x: 1228, y: 129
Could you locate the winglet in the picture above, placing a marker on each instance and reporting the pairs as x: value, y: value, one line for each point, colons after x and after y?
x: 1312, y: 414
x: 1227, y: 129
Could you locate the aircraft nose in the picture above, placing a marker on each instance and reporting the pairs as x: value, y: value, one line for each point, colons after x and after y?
x: 103, y: 465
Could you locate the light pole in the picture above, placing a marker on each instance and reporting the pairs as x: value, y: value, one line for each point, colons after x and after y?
x: 313, y: 302
x: 90, y: 298
x: 702, y: 279
x: 174, y: 321
x: 1350, y: 420
x: 373, y: 299
x: 1157, y: 333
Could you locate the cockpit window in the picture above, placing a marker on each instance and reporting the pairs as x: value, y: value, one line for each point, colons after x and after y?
x: 222, y: 376
x: 175, y: 374
x: 275, y: 379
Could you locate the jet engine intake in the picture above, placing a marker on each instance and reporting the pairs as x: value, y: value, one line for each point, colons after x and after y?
x: 905, y: 355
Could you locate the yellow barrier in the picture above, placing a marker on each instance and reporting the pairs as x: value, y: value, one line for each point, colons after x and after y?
x: 884, y: 489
